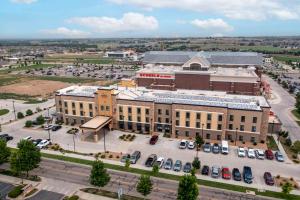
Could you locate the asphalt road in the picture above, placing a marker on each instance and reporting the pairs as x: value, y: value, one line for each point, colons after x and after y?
x: 282, y: 106
x: 4, y: 189
x: 162, y: 188
x: 46, y: 195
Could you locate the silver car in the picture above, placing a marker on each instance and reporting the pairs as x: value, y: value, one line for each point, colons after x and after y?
x: 177, y: 165
x: 215, y: 172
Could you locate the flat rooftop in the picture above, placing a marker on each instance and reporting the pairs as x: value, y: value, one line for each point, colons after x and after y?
x: 194, y: 97
x: 76, y: 90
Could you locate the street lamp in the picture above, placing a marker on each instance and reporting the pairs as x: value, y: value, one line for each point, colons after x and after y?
x: 14, y: 109
x: 235, y: 135
x: 202, y: 130
x: 272, y: 128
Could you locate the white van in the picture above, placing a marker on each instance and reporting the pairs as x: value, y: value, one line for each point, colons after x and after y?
x: 225, y: 147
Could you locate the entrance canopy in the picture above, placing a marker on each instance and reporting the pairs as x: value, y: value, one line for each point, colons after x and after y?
x: 96, y: 123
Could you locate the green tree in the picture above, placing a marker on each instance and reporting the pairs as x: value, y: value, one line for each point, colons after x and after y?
x: 29, y: 112
x: 20, y: 115
x: 196, y: 163
x: 99, y: 176
x: 40, y: 120
x: 199, y: 142
x: 287, y: 188
x: 27, y: 157
x: 4, y: 151
x: 188, y: 188
x: 155, y: 169
x: 28, y: 123
x: 144, y: 185
x: 297, y: 105
x: 127, y: 163
x: 296, y: 146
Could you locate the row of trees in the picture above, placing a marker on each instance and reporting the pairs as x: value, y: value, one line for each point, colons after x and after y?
x: 20, y: 115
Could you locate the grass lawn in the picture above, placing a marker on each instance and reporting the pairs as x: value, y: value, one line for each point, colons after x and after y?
x: 296, y: 114
x: 286, y: 58
x: 7, y: 80
x: 175, y: 177
x: 3, y: 111
x: 261, y: 48
x: 271, y: 143
x: 35, y: 66
x: 28, y: 99
x: 98, y: 61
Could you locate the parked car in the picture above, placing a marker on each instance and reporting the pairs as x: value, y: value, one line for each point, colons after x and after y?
x: 56, y: 127
x: 251, y: 153
x: 48, y: 126
x: 225, y: 147
x: 269, y: 154
x: 205, y: 170
x: 168, y: 164
x: 241, y: 152
x: 43, y: 144
x: 27, y: 138
x: 177, y: 165
x: 269, y: 180
x: 150, y: 160
x: 216, y: 148
x: 236, y: 174
x: 215, y: 171
x: 135, y: 157
x: 182, y: 144
x: 187, y: 167
x: 125, y: 157
x: 226, y: 173
x: 6, y: 137
x: 279, y: 157
x: 36, y: 142
x: 160, y: 161
x: 191, y: 145
x: 247, y: 174
x: 259, y: 154
x: 153, y: 139
x: 207, y: 147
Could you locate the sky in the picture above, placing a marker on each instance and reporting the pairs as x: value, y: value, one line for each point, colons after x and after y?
x: 22, y: 19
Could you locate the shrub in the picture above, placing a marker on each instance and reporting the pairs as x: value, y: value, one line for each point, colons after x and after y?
x: 20, y: 115
x: 196, y: 163
x: 29, y: 112
x: 103, y: 156
x: 40, y: 120
x: 254, y: 143
x: 110, y: 156
x: 74, y: 197
x: 294, y: 156
x: 278, y: 176
x: 288, y: 142
x: 117, y: 156
x: 15, y: 192
x: 262, y: 141
x: 28, y: 123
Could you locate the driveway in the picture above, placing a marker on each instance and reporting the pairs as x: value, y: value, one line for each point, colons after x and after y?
x: 5, y: 189
x: 47, y: 195
x: 282, y: 106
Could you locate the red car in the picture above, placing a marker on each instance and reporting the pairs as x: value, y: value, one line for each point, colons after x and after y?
x: 268, y: 178
x: 269, y: 154
x: 226, y: 173
x: 153, y: 139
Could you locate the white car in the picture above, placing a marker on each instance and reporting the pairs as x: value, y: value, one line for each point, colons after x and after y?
x: 43, y: 144
x: 241, y: 152
x: 191, y: 145
x: 251, y: 153
x: 160, y: 161
x: 27, y: 138
x: 182, y: 144
x: 260, y: 154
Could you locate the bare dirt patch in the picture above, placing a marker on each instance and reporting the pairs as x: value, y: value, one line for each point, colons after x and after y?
x: 41, y: 88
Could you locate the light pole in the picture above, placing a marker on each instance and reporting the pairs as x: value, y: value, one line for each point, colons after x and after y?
x: 74, y: 141
x: 272, y: 128
x: 202, y: 130
x: 235, y: 135
x: 14, y: 109
x: 104, y: 145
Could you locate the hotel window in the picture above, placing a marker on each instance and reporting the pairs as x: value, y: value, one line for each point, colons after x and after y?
x: 66, y: 104
x: 177, y: 114
x: 242, y: 127
x: 229, y: 137
x: 197, y: 134
x: 187, y: 115
x: 129, y: 125
x: 59, y: 102
x: 107, y: 108
x: 231, y: 118
x: 198, y: 116
x: 187, y: 123
x: 219, y: 126
x: 159, y: 120
x: 91, y: 114
x: 208, y: 116
x: 147, y: 120
x: 252, y: 139
x: 60, y: 109
x: 139, y: 119
x: 207, y: 136
x: 73, y: 105
x: 177, y: 122
x: 176, y: 132
x: 243, y: 118
x: 82, y: 121
x: 241, y: 138
x: 90, y: 106
x: 147, y: 111
x: 81, y: 113
x: 218, y: 137
x: 197, y: 124
x: 159, y: 111
x: 167, y: 120
x: 66, y: 111
x: 230, y: 126
x: 220, y: 118
x: 138, y: 110
x: 129, y: 118
x: 253, y: 129
x: 120, y: 109
x: 167, y: 112
x: 121, y: 117
x: 102, y: 108
x: 254, y: 120
x: 80, y: 105
x: 73, y: 112
x: 208, y: 126
x: 129, y: 110
x: 187, y: 133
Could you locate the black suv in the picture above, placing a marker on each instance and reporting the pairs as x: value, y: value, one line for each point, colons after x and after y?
x: 151, y: 160
x: 6, y: 137
x: 236, y: 174
x: 205, y: 170
x: 247, y: 174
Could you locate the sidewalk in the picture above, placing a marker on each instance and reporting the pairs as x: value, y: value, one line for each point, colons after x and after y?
x: 88, y: 196
x: 281, y: 149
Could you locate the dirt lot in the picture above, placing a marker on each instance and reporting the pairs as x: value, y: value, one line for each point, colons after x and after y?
x: 34, y: 87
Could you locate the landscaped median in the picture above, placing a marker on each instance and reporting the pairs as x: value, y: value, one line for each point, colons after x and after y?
x: 176, y: 177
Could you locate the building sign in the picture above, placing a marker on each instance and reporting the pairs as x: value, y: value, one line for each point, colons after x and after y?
x: 151, y: 75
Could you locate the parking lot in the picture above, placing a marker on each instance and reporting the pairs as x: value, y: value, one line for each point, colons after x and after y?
x: 4, y: 189
x: 96, y: 71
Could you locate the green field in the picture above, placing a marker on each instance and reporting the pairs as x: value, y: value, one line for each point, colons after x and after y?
x: 287, y: 58
x: 35, y: 66
x: 261, y: 48
x: 98, y: 61
x: 23, y: 97
x: 3, y: 111
x: 7, y: 80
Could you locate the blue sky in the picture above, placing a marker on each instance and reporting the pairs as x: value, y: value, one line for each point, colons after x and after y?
x: 147, y: 18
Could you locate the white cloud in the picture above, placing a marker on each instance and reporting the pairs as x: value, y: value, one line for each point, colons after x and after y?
x: 235, y: 9
x: 212, y: 24
x: 65, y: 32
x: 23, y: 1
x: 129, y: 22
